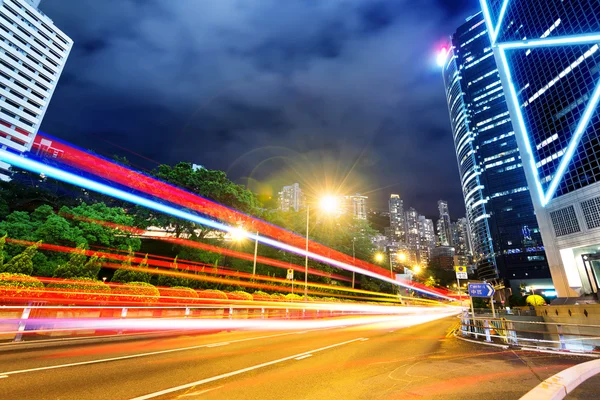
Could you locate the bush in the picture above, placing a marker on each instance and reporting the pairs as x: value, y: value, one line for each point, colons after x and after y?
x: 293, y: 297
x: 80, y: 289
x: 239, y: 295
x: 137, y: 292
x: 261, y: 296
x: 278, y: 297
x: 19, y: 286
x: 212, y: 294
x: 177, y: 294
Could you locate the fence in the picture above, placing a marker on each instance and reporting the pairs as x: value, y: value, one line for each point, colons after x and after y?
x: 35, y: 321
x: 532, y: 332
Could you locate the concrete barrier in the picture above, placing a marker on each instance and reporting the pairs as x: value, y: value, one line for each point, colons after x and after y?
x: 558, y: 386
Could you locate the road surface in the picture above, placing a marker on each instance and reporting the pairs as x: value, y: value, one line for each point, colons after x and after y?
x: 371, y: 362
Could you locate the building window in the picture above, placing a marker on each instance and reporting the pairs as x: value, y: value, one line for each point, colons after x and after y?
x: 591, y: 212
x: 565, y: 221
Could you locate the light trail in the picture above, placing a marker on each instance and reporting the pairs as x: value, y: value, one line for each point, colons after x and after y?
x: 56, y: 173
x: 124, y: 176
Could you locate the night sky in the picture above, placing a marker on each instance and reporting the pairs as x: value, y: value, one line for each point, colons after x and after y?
x: 339, y: 95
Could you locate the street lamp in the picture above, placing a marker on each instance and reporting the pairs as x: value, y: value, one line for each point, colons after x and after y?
x: 417, y: 269
x: 238, y: 234
x: 329, y: 204
x: 402, y: 257
x: 379, y: 257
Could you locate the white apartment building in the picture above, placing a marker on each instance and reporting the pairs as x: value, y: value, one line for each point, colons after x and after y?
x: 291, y: 198
x: 33, y: 53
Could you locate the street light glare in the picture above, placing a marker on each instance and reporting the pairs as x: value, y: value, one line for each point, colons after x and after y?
x: 402, y: 257
x: 379, y: 257
x: 416, y: 269
x: 329, y: 204
x: 238, y: 234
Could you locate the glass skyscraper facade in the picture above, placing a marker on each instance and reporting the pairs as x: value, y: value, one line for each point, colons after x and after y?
x: 506, y: 240
x: 547, y: 53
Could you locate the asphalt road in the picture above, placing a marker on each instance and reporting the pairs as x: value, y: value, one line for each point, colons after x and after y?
x: 372, y: 362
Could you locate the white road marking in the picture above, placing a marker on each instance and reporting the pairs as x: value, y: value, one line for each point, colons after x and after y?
x: 364, y: 339
x: 200, y: 392
x: 303, y: 357
x: 217, y: 344
x: 239, y: 371
x: 3, y: 376
x: 152, y: 353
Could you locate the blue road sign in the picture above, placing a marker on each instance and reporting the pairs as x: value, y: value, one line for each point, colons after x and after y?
x: 481, y: 290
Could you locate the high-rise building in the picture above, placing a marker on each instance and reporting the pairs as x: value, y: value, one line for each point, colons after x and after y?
x: 460, y: 237
x: 427, y: 239
x: 357, y: 205
x: 33, y: 53
x: 549, y: 61
x: 444, y: 228
x: 506, y: 241
x: 397, y: 219
x: 413, y: 237
x: 291, y: 198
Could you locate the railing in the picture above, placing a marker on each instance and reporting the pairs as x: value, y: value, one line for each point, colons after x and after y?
x: 525, y: 332
x: 31, y: 322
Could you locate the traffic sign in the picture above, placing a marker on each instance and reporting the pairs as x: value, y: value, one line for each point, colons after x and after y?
x: 290, y: 274
x: 461, y: 272
x: 481, y: 290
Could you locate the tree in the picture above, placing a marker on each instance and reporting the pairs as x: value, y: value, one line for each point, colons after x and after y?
x: 92, y: 267
x: 73, y: 268
x: 2, y: 255
x: 22, y: 263
x: 131, y: 274
x: 170, y: 280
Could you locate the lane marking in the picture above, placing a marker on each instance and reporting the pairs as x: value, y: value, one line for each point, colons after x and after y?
x: 303, y: 357
x: 3, y: 376
x: 239, y: 371
x: 217, y: 344
x: 152, y: 353
x: 364, y: 339
x: 200, y: 392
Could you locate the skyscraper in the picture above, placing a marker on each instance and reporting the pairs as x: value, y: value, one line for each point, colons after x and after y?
x: 552, y: 81
x: 505, y: 236
x: 291, y: 198
x: 397, y: 219
x: 413, y: 237
x: 427, y: 239
x: 460, y: 237
x: 444, y: 229
x: 33, y: 52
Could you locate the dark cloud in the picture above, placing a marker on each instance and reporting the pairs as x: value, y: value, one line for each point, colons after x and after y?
x: 336, y: 93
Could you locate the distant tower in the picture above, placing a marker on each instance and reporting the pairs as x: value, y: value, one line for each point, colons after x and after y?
x: 444, y: 226
x: 291, y: 198
x: 397, y: 220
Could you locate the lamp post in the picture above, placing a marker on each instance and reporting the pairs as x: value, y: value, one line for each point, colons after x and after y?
x: 255, y: 256
x: 353, y: 261
x: 328, y: 204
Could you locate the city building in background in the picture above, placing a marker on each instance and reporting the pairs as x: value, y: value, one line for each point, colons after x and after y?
x: 427, y: 239
x: 461, y: 237
x: 413, y: 237
x: 553, y: 88
x: 443, y: 257
x: 291, y: 198
x: 397, y: 228
x: 444, y: 229
x: 357, y: 205
x: 506, y: 240
x: 33, y: 52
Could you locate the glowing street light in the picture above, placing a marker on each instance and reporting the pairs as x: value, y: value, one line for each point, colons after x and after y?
x: 329, y: 204
x: 417, y: 269
x: 238, y: 234
x: 379, y: 257
x: 402, y: 257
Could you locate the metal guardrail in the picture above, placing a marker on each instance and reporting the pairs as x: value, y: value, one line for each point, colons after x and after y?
x: 18, y: 321
x: 520, y: 332
x: 558, y: 386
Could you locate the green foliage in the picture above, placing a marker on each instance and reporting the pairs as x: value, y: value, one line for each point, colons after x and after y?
x: 132, y: 274
x: 516, y: 300
x: 82, y: 289
x: 138, y: 292
x: 22, y: 263
x: 19, y: 285
x: 239, y: 295
x: 178, y: 294
x: 92, y: 267
x: 75, y: 266
x: 261, y: 296
x: 212, y: 294
x: 293, y: 297
x: 2, y: 255
x: 169, y: 280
